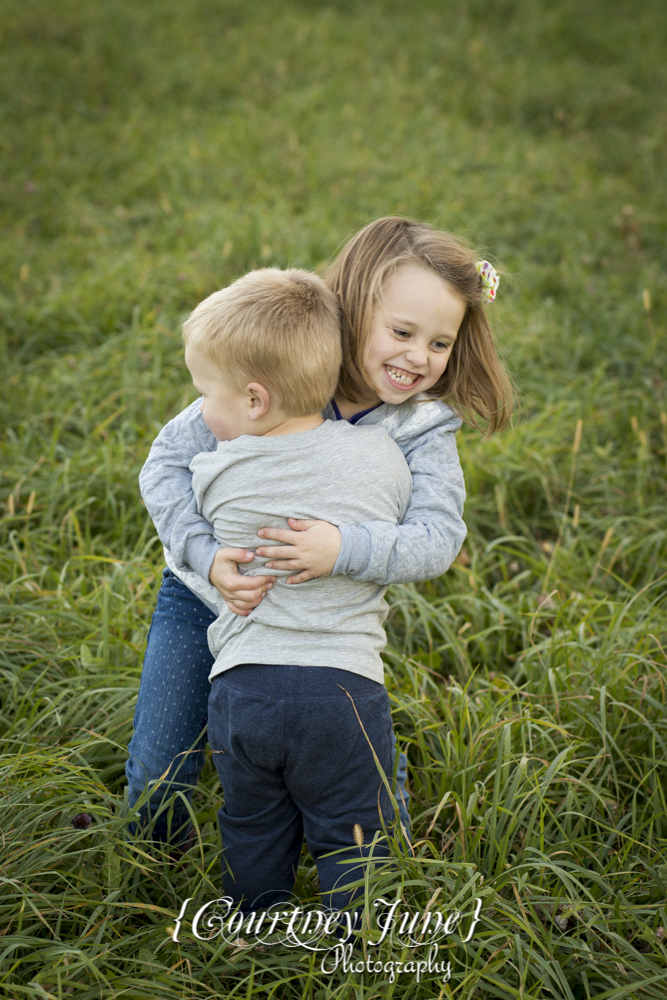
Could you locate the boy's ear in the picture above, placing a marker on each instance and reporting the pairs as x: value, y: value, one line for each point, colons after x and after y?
x: 258, y: 400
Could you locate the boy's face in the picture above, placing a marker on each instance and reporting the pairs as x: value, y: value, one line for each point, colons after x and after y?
x: 225, y: 409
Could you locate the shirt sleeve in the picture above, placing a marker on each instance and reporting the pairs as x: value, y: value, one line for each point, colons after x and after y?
x: 166, y: 487
x: 425, y: 545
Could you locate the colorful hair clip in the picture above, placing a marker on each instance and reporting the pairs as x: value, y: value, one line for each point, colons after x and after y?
x: 490, y: 279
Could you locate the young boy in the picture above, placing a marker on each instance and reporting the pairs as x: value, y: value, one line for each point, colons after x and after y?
x: 294, y: 681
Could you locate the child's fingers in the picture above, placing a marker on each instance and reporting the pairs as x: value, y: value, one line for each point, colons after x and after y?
x: 241, y: 605
x: 280, y: 535
x: 278, y: 552
x: 238, y: 609
x: 286, y: 564
x: 249, y: 585
x: 235, y: 555
x: 248, y: 598
x: 240, y: 590
x: 301, y: 577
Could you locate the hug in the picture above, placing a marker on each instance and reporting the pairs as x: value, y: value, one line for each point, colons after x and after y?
x: 326, y: 423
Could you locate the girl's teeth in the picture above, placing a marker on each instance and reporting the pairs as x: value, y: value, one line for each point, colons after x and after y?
x: 400, y: 377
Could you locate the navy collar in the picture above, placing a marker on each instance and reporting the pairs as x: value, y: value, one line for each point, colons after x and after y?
x: 356, y: 417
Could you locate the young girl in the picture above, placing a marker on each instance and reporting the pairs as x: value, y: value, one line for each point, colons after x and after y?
x: 415, y: 333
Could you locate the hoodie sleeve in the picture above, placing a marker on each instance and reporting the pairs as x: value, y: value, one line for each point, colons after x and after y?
x: 426, y: 543
x: 166, y: 487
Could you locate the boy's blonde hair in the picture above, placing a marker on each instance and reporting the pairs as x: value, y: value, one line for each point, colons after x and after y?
x: 474, y: 383
x: 278, y: 328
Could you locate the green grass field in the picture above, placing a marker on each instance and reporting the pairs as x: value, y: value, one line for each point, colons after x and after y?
x: 150, y: 153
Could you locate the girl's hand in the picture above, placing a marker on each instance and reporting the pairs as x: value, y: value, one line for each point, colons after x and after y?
x: 312, y: 547
x: 241, y: 593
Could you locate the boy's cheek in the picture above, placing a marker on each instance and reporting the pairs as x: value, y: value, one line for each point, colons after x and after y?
x: 214, y: 424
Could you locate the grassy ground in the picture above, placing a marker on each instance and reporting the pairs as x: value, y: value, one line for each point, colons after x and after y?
x: 150, y: 153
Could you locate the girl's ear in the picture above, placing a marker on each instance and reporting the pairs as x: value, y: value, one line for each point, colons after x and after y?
x: 258, y: 400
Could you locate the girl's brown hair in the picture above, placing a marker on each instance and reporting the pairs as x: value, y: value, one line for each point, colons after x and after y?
x: 474, y: 383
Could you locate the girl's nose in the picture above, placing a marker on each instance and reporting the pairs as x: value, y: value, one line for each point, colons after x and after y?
x: 416, y: 356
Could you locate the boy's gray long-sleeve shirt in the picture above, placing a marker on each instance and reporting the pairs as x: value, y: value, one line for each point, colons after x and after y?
x: 336, y: 473
x: 422, y: 547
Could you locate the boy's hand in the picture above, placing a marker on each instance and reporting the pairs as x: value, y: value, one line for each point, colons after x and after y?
x: 241, y: 593
x: 312, y: 547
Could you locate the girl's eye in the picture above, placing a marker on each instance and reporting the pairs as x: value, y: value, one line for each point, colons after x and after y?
x: 438, y: 345
x: 402, y: 333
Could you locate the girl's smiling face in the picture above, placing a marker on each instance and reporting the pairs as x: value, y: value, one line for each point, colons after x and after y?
x: 412, y: 334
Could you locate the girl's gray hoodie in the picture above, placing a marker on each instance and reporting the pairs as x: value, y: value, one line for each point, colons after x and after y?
x: 422, y: 547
